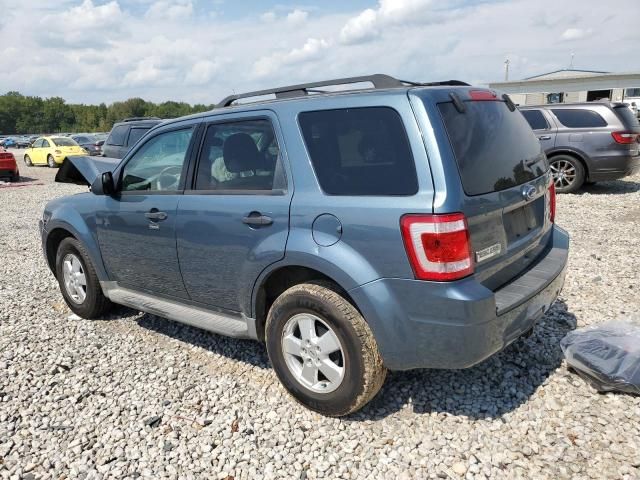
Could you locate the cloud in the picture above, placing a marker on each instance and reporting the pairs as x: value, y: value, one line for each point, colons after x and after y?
x: 297, y: 17
x: 268, y: 17
x: 96, y: 51
x: 369, y: 23
x: 575, y: 33
x: 202, y: 72
x: 170, y: 10
x: 85, y: 25
x: 311, y: 50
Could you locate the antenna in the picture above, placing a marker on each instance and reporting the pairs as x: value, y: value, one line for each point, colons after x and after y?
x: 506, y: 70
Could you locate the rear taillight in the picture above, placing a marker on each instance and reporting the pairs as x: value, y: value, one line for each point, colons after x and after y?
x: 552, y: 202
x: 625, y: 138
x: 438, y: 246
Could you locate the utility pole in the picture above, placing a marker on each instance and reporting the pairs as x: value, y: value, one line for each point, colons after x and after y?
x: 506, y: 70
x: 571, y: 62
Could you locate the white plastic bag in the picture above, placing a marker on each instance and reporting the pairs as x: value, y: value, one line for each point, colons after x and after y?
x: 606, y: 355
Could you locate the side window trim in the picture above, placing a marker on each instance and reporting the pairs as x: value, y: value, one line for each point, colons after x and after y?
x: 185, y: 165
x: 193, y: 174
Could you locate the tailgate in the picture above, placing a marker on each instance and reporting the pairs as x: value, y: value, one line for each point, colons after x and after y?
x: 496, y: 173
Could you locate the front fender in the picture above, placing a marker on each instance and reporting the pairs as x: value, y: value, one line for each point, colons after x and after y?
x: 67, y: 218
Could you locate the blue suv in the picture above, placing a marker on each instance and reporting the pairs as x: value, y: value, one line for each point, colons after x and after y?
x: 394, y: 227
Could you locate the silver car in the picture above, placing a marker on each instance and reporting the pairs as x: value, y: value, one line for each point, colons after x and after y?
x: 586, y: 142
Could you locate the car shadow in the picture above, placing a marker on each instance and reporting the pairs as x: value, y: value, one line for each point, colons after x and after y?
x: 248, y: 351
x: 612, y: 187
x: 491, y: 389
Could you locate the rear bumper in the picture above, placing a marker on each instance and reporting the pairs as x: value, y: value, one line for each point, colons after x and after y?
x: 613, y: 168
x: 421, y: 324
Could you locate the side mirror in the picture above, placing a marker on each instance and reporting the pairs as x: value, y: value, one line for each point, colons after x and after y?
x: 103, y: 184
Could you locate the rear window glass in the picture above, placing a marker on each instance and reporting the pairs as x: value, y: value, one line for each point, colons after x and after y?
x: 627, y: 116
x: 536, y: 119
x: 494, y: 147
x: 574, y: 118
x: 136, y: 134
x: 117, y: 135
x: 360, y: 151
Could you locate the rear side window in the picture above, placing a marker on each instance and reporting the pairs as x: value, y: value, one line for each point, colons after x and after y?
x: 627, y: 116
x: 536, y: 119
x: 494, y: 147
x: 117, y: 135
x: 136, y: 134
x: 574, y: 118
x: 360, y: 151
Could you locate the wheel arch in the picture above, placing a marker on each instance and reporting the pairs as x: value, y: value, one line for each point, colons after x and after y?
x: 58, y: 230
x: 581, y: 157
x: 281, y: 277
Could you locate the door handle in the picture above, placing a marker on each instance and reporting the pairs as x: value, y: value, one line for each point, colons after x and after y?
x: 155, y: 215
x: 544, y: 137
x: 257, y: 219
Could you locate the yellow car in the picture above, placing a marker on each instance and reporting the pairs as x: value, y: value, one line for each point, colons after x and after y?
x: 52, y: 151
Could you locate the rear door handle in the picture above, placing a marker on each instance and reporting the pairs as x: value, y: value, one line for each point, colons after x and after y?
x: 544, y: 137
x: 156, y: 215
x: 257, y: 219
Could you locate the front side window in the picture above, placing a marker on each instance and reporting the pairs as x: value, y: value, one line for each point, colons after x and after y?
x: 240, y: 156
x: 360, y: 151
x: 157, y: 165
x: 574, y: 118
x: 536, y: 119
x: 117, y: 135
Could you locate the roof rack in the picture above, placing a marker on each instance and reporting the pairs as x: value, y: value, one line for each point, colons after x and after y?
x: 378, y: 80
x: 136, y: 119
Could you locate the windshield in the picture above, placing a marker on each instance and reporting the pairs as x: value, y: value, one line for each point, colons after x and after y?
x: 495, y: 148
x: 64, y: 142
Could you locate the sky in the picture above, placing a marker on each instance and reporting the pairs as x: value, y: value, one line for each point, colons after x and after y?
x: 199, y: 51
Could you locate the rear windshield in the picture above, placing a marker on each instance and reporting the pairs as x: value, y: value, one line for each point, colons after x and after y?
x: 627, y: 116
x: 494, y: 147
x: 136, y: 133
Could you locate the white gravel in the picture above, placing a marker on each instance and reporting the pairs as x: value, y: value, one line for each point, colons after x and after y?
x: 137, y: 396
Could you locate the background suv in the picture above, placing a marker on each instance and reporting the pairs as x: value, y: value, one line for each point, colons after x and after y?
x: 354, y: 232
x: 125, y: 134
x: 586, y: 142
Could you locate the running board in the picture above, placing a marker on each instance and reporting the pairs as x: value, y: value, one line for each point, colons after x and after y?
x: 217, y: 322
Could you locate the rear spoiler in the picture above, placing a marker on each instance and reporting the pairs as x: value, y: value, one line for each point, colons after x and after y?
x: 84, y: 170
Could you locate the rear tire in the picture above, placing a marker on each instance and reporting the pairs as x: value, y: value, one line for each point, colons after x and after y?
x: 568, y: 173
x: 51, y: 162
x: 312, y: 329
x: 27, y: 161
x: 16, y: 177
x: 78, y: 281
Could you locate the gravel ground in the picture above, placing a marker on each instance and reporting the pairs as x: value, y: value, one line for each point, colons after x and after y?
x: 137, y: 396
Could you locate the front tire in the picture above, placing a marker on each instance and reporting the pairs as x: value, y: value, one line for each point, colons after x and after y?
x: 568, y: 173
x: 78, y: 281
x: 322, y: 350
x: 27, y: 161
x: 51, y: 162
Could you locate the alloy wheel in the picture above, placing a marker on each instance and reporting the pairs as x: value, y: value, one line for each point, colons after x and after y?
x: 564, y: 173
x: 313, y: 353
x: 75, y: 281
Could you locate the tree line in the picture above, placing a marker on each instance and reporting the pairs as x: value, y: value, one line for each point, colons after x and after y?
x: 20, y: 114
